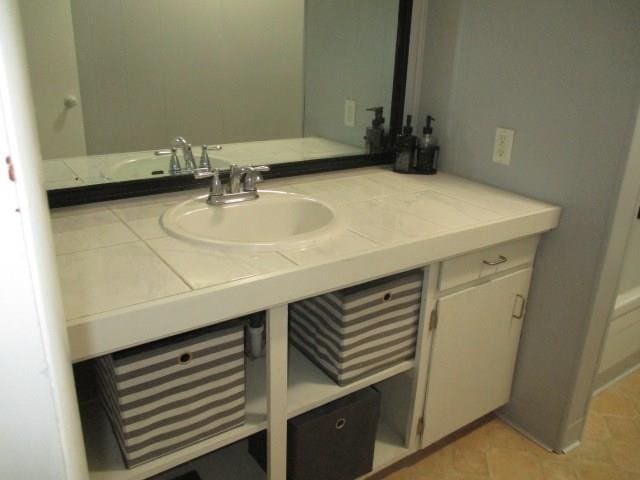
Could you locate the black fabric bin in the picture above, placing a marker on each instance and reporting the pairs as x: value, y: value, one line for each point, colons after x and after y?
x: 332, y: 442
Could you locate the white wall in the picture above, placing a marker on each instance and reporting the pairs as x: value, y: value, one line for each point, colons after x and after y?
x: 566, y: 77
x: 53, y: 72
x: 216, y: 72
x: 349, y: 54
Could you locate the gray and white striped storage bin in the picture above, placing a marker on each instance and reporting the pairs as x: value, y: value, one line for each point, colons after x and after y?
x: 355, y: 332
x: 165, y: 395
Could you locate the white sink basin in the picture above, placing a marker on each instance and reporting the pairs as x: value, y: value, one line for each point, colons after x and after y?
x: 136, y: 167
x: 147, y: 166
x: 275, y: 221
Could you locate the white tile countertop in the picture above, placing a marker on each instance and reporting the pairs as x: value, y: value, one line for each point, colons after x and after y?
x: 126, y: 281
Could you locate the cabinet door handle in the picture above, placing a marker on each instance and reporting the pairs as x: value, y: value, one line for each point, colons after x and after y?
x: 493, y: 263
x: 522, y: 302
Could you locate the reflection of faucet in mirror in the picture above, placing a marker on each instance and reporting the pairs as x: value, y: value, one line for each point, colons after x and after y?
x: 187, y: 154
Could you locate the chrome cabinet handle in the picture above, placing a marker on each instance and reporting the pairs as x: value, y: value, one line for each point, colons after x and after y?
x: 493, y: 263
x: 523, y: 303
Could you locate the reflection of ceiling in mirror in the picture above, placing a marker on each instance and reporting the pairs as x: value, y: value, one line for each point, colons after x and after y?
x: 141, y: 80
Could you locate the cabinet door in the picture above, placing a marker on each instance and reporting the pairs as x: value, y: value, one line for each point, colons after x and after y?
x: 474, y: 353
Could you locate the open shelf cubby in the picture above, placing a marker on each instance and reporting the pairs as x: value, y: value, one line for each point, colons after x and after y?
x: 308, y: 388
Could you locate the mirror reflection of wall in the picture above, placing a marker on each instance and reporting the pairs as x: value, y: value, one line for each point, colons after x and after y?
x: 216, y: 71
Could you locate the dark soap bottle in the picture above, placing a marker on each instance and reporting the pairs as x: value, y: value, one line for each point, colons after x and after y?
x: 374, y: 139
x: 428, y: 150
x: 405, y: 149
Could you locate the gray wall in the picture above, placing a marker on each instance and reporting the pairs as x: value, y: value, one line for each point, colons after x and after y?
x: 216, y: 72
x: 349, y: 54
x: 566, y: 76
x: 53, y: 72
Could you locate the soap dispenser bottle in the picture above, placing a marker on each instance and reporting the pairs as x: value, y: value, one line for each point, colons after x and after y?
x: 428, y: 150
x: 374, y: 139
x: 405, y: 149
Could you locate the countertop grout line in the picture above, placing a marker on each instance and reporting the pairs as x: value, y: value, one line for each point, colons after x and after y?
x: 93, y: 249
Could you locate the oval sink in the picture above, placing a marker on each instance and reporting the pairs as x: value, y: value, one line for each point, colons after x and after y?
x: 136, y: 167
x: 146, y: 166
x: 275, y: 221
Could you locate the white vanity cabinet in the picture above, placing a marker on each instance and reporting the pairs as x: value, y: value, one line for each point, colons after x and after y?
x: 476, y: 331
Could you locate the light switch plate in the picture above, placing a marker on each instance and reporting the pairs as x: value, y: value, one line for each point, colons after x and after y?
x: 350, y: 113
x: 503, y: 145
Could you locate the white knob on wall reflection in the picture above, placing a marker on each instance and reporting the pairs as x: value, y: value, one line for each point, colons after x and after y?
x: 70, y: 101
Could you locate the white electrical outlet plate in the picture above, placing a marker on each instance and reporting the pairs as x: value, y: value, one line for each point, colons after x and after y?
x: 503, y: 145
x: 350, y: 113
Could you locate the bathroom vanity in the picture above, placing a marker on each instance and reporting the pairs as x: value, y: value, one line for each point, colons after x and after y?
x: 126, y: 281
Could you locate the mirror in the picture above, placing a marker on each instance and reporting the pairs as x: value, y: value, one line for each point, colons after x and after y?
x: 273, y: 82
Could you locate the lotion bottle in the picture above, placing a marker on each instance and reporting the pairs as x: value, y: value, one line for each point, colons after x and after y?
x: 428, y: 150
x: 405, y: 149
x: 374, y: 139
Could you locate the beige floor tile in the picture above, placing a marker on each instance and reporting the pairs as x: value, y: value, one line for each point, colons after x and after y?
x: 599, y: 471
x: 439, y: 462
x: 512, y: 464
x: 477, y: 439
x: 623, y: 428
x: 552, y: 470
x: 614, y: 402
x: 626, y: 454
x: 596, y: 427
x: 400, y: 474
x: 466, y: 460
x: 590, y: 450
x: 558, y: 471
x: 631, y: 384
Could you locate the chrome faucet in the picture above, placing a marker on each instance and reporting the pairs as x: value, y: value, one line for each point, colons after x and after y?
x: 187, y: 154
x: 242, y: 183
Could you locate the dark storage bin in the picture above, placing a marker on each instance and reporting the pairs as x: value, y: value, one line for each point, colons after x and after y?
x: 332, y: 442
x: 353, y: 333
x: 168, y: 394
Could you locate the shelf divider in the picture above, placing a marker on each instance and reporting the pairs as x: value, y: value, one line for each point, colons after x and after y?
x: 277, y: 353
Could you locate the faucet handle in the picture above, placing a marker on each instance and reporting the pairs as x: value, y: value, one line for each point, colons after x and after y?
x: 204, y: 158
x: 253, y: 177
x: 216, y: 187
x: 174, y: 163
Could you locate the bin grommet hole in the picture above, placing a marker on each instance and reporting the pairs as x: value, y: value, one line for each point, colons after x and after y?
x: 387, y: 296
x: 341, y: 423
x: 184, y: 358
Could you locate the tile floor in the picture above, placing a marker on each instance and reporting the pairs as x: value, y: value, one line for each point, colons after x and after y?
x: 491, y: 450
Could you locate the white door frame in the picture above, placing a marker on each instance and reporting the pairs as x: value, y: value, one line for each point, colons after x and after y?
x: 40, y: 434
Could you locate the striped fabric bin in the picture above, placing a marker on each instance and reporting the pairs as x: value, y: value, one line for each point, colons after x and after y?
x: 355, y: 332
x: 165, y: 395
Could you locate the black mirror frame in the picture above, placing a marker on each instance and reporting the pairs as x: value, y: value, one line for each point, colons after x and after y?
x: 64, y: 197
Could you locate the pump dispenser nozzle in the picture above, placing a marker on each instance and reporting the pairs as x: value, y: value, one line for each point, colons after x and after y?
x: 378, y: 119
x: 408, y: 129
x: 428, y: 128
